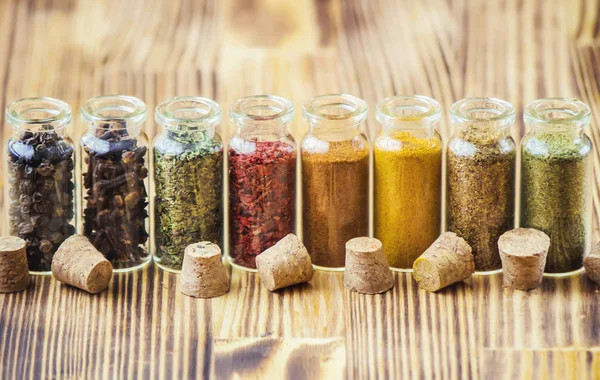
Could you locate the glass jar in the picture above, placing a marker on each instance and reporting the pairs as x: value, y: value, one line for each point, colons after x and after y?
x: 188, y: 178
x: 408, y: 177
x: 40, y: 186
x: 115, y: 201
x: 262, y: 177
x: 480, y: 171
x: 335, y: 177
x: 556, y: 179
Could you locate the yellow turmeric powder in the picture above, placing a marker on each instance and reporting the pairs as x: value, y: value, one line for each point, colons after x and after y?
x: 408, y: 192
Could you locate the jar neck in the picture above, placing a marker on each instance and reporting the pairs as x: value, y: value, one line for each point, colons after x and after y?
x: 113, y: 129
x: 38, y: 115
x: 557, y: 116
x: 262, y: 131
x: 326, y: 132
x: 335, y: 117
x: 415, y: 115
x: 188, y: 118
x: 261, y: 117
x: 114, y: 117
x: 482, y: 119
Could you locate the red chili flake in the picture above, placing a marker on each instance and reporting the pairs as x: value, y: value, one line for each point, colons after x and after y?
x: 262, y: 198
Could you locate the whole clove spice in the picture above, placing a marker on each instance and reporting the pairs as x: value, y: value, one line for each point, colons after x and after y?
x: 115, y: 201
x: 188, y: 168
x: 40, y: 176
x: 262, y: 196
x: 481, y: 182
x: 335, y: 191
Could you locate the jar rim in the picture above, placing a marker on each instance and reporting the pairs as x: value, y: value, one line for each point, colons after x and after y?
x: 60, y: 112
x: 125, y: 108
x: 499, y: 110
x: 541, y: 111
x: 315, y: 109
x: 422, y: 107
x: 207, y: 112
x: 257, y: 108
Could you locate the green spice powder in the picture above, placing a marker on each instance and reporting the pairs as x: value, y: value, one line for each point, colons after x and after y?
x: 188, y: 179
x: 480, y: 191
x: 555, y: 196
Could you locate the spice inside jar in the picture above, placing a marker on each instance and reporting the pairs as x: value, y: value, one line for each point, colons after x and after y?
x: 188, y: 178
x: 40, y: 163
x: 115, y: 199
x: 480, y: 173
x: 408, y: 177
x: 335, y: 177
x: 262, y: 177
x: 556, y: 179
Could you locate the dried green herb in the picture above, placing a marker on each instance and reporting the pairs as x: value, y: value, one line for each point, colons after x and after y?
x: 556, y: 195
x: 480, y: 191
x: 188, y: 178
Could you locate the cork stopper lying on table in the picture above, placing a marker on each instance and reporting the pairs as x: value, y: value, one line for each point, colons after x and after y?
x: 591, y: 264
x: 284, y: 264
x: 78, y: 263
x: 447, y: 261
x: 523, y: 252
x: 367, y: 270
x: 203, y: 274
x: 14, y: 273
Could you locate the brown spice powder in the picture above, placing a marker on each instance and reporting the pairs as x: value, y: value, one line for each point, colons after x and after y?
x: 335, y: 190
x: 481, y: 189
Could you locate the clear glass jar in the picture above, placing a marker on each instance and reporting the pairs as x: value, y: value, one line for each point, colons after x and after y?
x: 408, y: 177
x: 40, y: 160
x: 115, y: 179
x: 556, y: 179
x: 335, y: 177
x: 480, y: 171
x: 188, y: 178
x: 262, y: 177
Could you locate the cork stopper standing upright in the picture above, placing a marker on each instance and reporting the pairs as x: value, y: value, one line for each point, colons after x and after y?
x: 591, y: 264
x: 523, y: 252
x: 203, y: 274
x: 14, y: 273
x: 367, y: 270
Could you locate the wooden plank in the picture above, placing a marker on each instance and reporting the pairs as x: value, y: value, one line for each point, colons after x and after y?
x: 143, y: 328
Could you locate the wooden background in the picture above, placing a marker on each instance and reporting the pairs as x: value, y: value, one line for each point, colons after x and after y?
x: 518, y: 50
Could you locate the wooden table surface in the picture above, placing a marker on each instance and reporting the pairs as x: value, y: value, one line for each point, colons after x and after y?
x: 142, y: 327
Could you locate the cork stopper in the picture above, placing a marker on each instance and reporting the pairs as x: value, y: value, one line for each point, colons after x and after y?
x: 78, y: 263
x: 366, y: 269
x: 284, y: 264
x: 591, y: 263
x: 14, y: 273
x: 447, y: 261
x: 203, y: 274
x: 523, y: 252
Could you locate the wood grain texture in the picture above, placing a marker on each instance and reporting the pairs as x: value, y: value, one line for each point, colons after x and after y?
x: 142, y: 327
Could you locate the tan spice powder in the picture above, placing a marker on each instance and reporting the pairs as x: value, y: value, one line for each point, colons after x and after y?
x: 480, y: 191
x: 335, y: 192
x: 408, y: 195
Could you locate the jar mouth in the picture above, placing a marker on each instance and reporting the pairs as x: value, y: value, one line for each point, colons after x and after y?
x: 42, y: 110
x: 128, y: 111
x: 557, y: 111
x: 188, y: 112
x: 402, y: 108
x: 340, y: 108
x: 478, y: 110
x: 257, y: 108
